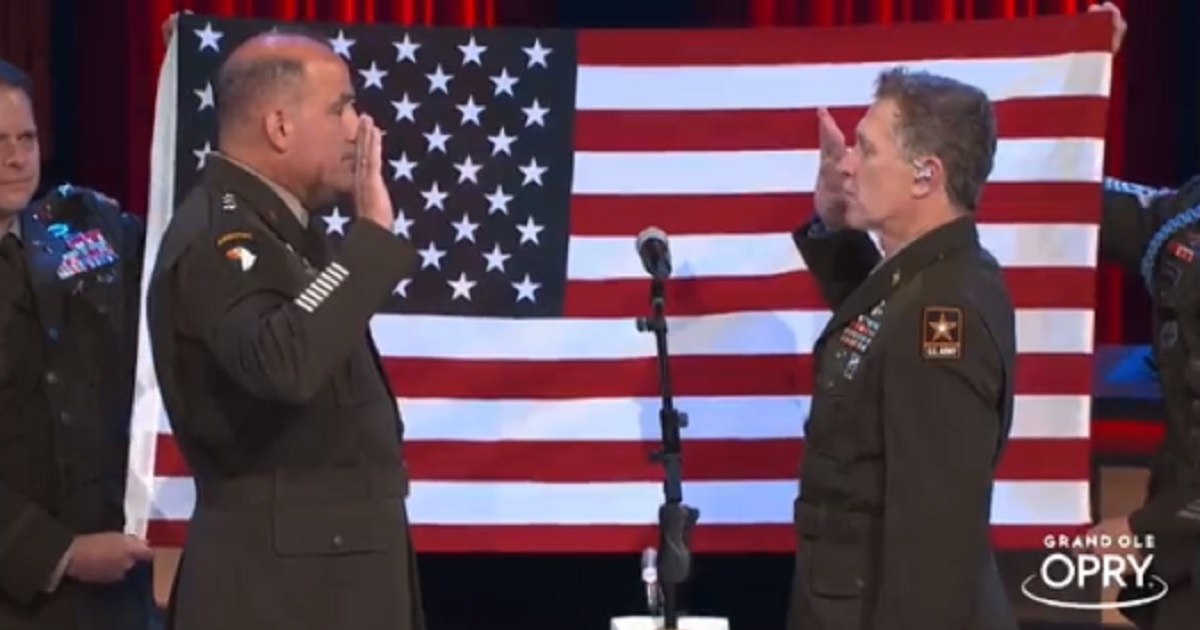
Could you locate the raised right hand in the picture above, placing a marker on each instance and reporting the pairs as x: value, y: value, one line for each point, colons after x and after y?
x: 829, y: 197
x: 105, y: 558
x: 372, y: 201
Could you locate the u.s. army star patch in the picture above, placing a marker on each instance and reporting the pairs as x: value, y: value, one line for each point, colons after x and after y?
x: 941, y: 332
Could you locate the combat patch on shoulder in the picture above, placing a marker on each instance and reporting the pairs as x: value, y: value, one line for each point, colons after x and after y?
x: 238, y: 247
x: 941, y: 332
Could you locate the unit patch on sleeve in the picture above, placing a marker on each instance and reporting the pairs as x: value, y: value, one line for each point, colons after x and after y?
x: 238, y: 247
x: 941, y: 332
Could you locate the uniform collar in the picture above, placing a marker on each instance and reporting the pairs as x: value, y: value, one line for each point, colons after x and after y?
x: 960, y: 233
x: 291, y: 201
x: 14, y: 228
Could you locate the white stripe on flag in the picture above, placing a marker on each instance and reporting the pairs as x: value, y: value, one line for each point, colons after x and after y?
x: 1014, y: 245
x: 796, y: 86
x: 711, y: 418
x: 734, y: 334
x: 635, y: 503
x: 147, y: 401
x: 743, y: 172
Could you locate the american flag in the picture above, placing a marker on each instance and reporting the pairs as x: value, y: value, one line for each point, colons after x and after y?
x: 524, y: 162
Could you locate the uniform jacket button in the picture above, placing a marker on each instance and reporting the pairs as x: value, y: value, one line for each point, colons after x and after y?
x: 337, y: 540
x: 52, y: 378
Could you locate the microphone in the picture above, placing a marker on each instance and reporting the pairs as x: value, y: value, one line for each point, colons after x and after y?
x: 654, y: 252
x: 650, y: 578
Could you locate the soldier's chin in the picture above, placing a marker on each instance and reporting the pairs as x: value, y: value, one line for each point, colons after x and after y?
x: 856, y: 217
x: 13, y: 200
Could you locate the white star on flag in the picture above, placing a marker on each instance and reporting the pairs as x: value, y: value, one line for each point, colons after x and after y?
x: 529, y: 232
x: 498, y: 201
x: 434, y: 197
x: 471, y: 52
x: 495, y: 258
x: 526, y: 289
x: 464, y: 230
x: 537, y: 54
x: 401, y: 224
x: 202, y: 154
x: 405, y: 109
x: 403, y: 168
x: 431, y: 256
x: 470, y: 111
x: 335, y: 223
x: 402, y: 287
x: 501, y: 143
x: 439, y: 81
x: 535, y: 114
x: 533, y: 173
x: 209, y: 39
x: 373, y: 77
x: 436, y: 140
x: 467, y: 170
x: 504, y: 83
x: 341, y: 45
x: 462, y: 287
x: 406, y: 50
x: 205, y: 94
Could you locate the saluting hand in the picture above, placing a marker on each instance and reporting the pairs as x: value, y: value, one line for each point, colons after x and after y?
x: 105, y: 558
x: 829, y: 197
x: 371, y: 198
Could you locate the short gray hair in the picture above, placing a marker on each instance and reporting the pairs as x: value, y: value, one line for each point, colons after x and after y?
x: 948, y: 119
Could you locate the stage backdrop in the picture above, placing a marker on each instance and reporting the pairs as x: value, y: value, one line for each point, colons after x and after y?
x: 524, y: 162
x: 104, y: 142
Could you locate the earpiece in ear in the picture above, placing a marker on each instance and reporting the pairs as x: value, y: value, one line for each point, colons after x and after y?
x: 924, y: 173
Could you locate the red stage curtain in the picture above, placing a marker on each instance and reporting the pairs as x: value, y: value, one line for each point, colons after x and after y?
x: 25, y: 43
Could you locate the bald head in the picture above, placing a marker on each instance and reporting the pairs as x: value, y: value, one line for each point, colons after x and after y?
x: 264, y: 73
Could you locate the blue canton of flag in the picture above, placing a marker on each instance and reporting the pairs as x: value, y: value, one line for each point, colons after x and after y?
x: 478, y: 156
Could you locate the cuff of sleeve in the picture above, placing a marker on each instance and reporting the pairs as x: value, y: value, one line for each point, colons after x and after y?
x: 60, y: 572
x: 40, y: 543
x: 816, y: 228
x: 368, y: 245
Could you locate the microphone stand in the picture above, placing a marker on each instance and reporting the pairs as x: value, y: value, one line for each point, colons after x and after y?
x: 675, y: 519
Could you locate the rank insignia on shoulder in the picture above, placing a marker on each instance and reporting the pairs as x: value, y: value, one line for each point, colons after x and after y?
x: 941, y: 332
x: 228, y: 202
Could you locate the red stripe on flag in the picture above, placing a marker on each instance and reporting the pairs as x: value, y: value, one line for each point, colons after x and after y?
x: 621, y: 215
x: 1030, y: 288
x: 620, y: 538
x: 764, y: 375
x: 876, y: 43
x: 704, y: 460
x: 741, y: 130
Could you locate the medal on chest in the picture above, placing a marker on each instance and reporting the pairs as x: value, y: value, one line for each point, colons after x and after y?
x: 857, y: 337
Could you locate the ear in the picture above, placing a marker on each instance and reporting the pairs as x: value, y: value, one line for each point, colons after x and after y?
x: 927, y: 172
x: 279, y: 130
